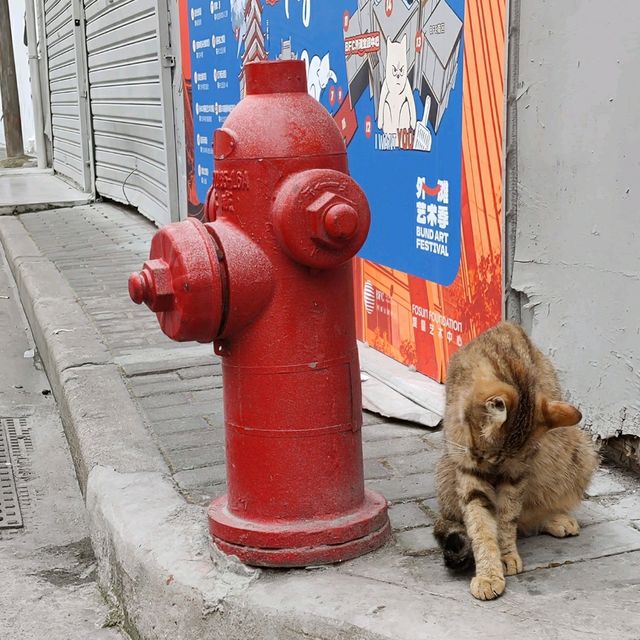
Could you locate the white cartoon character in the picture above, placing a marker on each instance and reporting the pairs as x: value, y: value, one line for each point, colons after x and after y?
x: 306, y: 11
x: 397, y: 108
x: 319, y: 73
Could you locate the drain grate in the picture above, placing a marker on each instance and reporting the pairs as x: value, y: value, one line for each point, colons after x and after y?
x: 10, y: 514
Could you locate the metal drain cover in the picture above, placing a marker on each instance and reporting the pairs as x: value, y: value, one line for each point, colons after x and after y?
x: 10, y: 514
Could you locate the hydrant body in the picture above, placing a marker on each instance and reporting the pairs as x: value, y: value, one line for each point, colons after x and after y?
x: 268, y: 279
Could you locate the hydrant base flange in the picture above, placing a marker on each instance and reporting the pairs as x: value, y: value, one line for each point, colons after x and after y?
x: 300, y: 544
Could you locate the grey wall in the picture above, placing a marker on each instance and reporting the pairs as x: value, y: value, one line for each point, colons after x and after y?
x: 574, y: 207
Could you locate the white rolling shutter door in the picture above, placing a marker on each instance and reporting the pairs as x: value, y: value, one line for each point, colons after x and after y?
x: 127, y: 105
x: 63, y: 88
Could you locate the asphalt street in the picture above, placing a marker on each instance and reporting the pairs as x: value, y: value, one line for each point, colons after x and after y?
x: 48, y: 587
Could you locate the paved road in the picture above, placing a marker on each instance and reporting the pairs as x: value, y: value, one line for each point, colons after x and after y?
x: 47, y: 569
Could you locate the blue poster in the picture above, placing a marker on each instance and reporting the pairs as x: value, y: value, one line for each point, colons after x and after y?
x: 389, y: 72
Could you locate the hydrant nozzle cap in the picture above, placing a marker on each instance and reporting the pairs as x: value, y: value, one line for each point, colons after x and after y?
x: 277, y: 76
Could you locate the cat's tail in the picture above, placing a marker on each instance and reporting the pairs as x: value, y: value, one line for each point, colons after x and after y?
x: 456, y: 546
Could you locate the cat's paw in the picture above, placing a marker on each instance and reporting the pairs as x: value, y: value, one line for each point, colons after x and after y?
x: 512, y: 564
x: 487, y: 587
x: 561, y: 525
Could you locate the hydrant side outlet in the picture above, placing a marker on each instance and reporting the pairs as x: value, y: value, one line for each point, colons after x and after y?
x: 182, y: 282
x: 321, y: 217
x: 284, y: 221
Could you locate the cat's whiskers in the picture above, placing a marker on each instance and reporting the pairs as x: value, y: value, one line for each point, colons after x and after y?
x: 456, y: 445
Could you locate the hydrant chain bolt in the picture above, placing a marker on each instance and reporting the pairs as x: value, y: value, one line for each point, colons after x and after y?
x: 268, y: 279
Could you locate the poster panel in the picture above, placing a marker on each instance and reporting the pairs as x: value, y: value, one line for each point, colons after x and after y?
x: 417, y: 89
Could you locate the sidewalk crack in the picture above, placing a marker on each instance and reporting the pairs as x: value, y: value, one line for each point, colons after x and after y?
x: 81, y: 366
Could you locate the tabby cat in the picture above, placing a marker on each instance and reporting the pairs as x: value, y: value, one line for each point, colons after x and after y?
x: 507, y: 465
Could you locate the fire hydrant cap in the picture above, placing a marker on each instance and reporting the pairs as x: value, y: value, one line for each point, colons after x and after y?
x: 275, y: 76
x: 182, y: 282
x: 278, y: 118
x: 321, y: 218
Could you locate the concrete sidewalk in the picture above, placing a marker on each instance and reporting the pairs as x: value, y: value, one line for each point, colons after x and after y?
x: 144, y: 420
x: 31, y: 189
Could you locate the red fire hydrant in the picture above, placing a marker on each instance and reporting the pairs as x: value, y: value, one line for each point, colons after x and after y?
x: 268, y: 279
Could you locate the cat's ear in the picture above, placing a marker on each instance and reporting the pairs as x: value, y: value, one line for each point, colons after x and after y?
x: 404, y: 42
x: 496, y: 406
x: 498, y: 398
x: 559, y: 414
x: 389, y: 43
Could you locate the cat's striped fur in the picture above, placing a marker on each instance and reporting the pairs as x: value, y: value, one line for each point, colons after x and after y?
x: 514, y: 458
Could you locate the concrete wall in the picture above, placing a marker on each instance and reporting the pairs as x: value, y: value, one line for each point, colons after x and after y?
x: 573, y: 198
x: 16, y: 9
